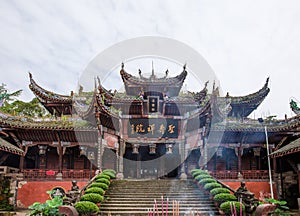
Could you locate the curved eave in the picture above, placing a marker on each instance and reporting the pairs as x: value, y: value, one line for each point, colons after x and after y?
x: 86, y: 113
x: 243, y: 106
x: 217, y: 113
x: 296, y: 111
x: 108, y: 118
x: 8, y: 147
x: 46, y: 96
x: 199, y: 118
x: 290, y: 148
x: 279, y: 126
x: 107, y: 94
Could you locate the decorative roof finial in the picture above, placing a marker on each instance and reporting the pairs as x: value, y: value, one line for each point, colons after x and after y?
x: 152, y: 69
x: 122, y: 66
x: 267, y: 81
x: 184, y: 66
x: 99, y: 82
x: 30, y: 75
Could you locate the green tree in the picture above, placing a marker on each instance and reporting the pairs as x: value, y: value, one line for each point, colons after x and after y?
x: 21, y: 108
x: 9, y: 104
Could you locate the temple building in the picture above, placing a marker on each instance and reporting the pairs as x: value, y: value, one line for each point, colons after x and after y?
x: 152, y: 130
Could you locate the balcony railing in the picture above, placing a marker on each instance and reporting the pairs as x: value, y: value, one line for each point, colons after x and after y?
x: 247, y: 174
x: 51, y: 174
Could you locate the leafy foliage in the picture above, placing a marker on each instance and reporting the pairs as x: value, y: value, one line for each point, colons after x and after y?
x: 202, y: 176
x: 102, y: 175
x: 210, y: 186
x: 216, y: 191
x: 50, y: 207
x: 96, y: 190
x: 226, y: 208
x: 5, y: 194
x: 281, y: 206
x: 100, y: 185
x: 86, y: 208
x: 207, y: 180
x: 196, y: 172
x: 224, y: 197
x: 21, y: 108
x: 103, y: 180
x: 92, y: 197
x: 110, y: 173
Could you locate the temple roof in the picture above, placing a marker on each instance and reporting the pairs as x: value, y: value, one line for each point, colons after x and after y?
x: 48, y: 130
x: 8, y: 147
x: 243, y: 106
x: 171, y: 86
x: 290, y: 148
x: 55, y: 103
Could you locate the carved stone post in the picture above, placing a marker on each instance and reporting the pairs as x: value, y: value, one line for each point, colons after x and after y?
x: 122, y: 146
x: 100, y: 151
x: 183, y: 153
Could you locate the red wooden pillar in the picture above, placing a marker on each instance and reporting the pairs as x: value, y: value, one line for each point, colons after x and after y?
x: 22, y: 159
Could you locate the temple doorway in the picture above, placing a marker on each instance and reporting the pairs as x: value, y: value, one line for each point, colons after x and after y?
x: 145, y: 164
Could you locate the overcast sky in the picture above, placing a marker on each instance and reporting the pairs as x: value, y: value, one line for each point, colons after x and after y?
x: 243, y: 41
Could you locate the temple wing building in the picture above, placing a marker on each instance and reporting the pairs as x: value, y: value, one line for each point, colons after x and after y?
x: 152, y: 130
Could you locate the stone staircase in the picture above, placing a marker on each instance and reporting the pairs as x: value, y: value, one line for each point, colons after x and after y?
x: 135, y: 197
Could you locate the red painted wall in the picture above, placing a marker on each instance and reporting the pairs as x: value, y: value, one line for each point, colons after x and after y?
x: 36, y: 191
x: 258, y: 188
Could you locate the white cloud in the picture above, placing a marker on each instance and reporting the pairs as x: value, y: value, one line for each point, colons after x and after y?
x: 243, y: 41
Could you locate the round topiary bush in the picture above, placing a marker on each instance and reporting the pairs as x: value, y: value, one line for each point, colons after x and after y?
x: 207, y: 180
x: 226, y: 208
x: 111, y: 174
x: 103, y: 180
x: 224, y: 197
x: 100, y: 185
x: 210, y: 186
x: 197, y: 172
x: 110, y: 170
x: 86, y: 208
x: 102, y: 175
x: 202, y: 176
x: 96, y: 190
x: 92, y: 197
x: 216, y: 191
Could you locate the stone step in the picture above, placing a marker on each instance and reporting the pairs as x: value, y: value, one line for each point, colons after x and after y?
x: 145, y: 212
x: 149, y: 205
x: 136, y: 197
x: 151, y: 201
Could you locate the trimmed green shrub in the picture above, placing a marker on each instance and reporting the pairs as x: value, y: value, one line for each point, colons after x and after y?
x: 225, y: 207
x: 110, y: 174
x: 92, y: 197
x: 102, y: 175
x: 110, y: 170
x: 202, y: 176
x: 197, y: 172
x: 103, y: 180
x: 207, y: 180
x: 224, y: 197
x: 216, y: 191
x: 96, y: 190
x: 86, y: 208
x: 210, y: 186
x: 100, y: 185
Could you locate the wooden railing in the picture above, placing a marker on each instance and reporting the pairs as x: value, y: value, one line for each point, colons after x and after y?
x: 245, y: 174
x: 50, y: 174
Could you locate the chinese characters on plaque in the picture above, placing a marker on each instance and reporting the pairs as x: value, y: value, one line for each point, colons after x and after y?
x: 153, y: 128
